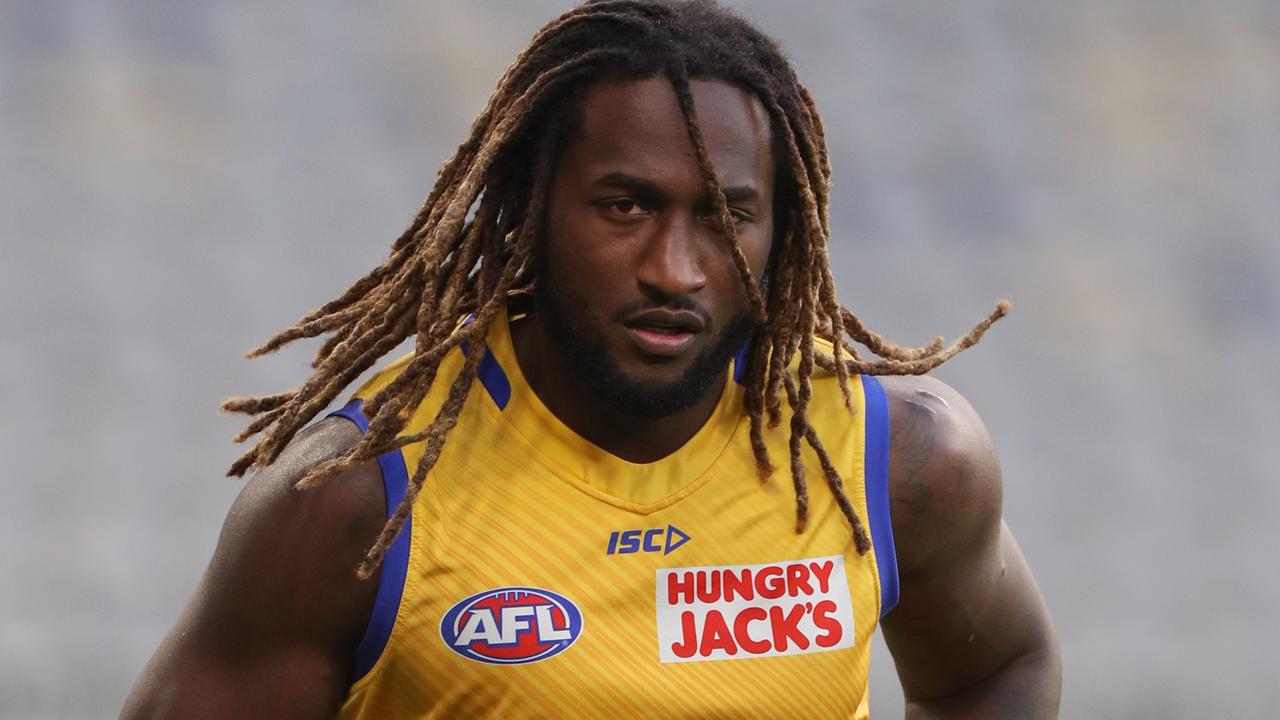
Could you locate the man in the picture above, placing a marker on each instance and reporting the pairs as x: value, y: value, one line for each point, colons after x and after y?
x: 563, y: 503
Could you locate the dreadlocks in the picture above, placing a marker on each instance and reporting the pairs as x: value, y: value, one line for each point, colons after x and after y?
x: 444, y: 267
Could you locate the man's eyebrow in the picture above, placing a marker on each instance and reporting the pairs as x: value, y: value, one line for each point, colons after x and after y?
x: 630, y: 183
x: 740, y: 193
x: 640, y: 186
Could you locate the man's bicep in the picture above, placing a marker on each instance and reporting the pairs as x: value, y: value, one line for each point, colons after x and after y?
x: 958, y: 627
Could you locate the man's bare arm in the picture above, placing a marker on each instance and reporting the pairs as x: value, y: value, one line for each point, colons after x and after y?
x: 971, y: 636
x: 272, y: 629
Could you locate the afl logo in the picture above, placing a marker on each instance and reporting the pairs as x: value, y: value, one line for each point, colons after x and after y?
x: 511, y: 626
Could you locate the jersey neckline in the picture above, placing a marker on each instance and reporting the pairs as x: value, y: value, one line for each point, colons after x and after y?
x: 640, y: 487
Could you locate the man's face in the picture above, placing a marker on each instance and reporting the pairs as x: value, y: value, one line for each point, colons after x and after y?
x: 639, y: 284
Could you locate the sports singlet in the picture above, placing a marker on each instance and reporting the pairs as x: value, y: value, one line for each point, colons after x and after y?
x: 541, y: 577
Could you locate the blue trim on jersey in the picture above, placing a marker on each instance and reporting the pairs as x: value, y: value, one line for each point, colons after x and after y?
x: 395, y: 565
x: 491, y: 375
x: 876, y: 478
x: 740, y: 363
x: 352, y: 412
x: 494, y: 379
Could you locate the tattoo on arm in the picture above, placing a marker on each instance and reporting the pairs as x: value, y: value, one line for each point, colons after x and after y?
x: 912, y: 442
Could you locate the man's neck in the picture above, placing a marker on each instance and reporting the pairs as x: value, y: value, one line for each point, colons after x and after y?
x: 637, y: 440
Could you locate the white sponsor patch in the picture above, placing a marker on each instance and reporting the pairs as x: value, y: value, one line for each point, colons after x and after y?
x: 731, y: 612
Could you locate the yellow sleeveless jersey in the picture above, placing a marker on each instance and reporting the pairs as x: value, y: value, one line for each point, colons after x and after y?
x: 541, y: 577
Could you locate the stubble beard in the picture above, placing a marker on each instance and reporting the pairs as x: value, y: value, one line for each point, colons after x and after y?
x: 595, y: 368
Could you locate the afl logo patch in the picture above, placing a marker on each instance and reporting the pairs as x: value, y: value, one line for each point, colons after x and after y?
x: 511, y: 625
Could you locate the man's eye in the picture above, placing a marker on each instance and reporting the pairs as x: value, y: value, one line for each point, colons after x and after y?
x: 738, y: 216
x: 630, y: 208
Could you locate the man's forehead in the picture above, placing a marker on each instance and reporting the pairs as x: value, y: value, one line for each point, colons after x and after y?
x: 639, y: 124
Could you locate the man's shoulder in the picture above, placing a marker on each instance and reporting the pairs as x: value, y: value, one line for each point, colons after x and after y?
x: 323, y: 440
x: 945, y: 485
x: 275, y: 522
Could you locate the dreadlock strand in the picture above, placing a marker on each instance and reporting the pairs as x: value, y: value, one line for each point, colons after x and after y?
x: 355, y: 294
x: 308, y: 329
x: 329, y: 345
x: 923, y: 365
x: 777, y: 331
x: 757, y: 366
x: 483, y: 316
x: 460, y: 281
x: 813, y: 197
x: 836, y: 485
x: 812, y: 176
x: 797, y: 474
x: 361, y: 287
x: 885, y: 349
x: 337, y: 319
x: 397, y: 293
x: 381, y: 428
x: 816, y: 149
x: 270, y: 447
x: 810, y: 186
x: 389, y: 421
x: 385, y: 408
x: 680, y: 80
x: 314, y: 396
x: 800, y: 408
x: 787, y: 325
x: 444, y: 422
x: 255, y: 405
x: 259, y: 424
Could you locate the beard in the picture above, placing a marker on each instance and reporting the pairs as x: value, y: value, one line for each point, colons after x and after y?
x: 603, y: 379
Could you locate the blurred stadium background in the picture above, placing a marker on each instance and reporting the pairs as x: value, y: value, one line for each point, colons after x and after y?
x: 178, y: 179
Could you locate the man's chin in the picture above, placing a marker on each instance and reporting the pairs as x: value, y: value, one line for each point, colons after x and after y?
x: 642, y: 370
x: 649, y: 398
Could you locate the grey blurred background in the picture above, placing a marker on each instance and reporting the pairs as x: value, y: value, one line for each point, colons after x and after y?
x: 179, y: 179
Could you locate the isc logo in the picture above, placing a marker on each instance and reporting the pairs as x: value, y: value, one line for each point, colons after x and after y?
x: 662, y: 540
x: 511, y: 626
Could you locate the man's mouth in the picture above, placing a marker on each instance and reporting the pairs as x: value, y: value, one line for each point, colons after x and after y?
x: 659, y: 340
x: 664, y: 332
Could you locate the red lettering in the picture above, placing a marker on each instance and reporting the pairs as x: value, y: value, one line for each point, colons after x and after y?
x: 708, y: 586
x: 739, y: 585
x: 798, y: 578
x: 787, y: 627
x: 679, y: 588
x: 823, y: 573
x: 769, y: 583
x: 741, y: 634
x: 689, y: 637
x: 823, y: 619
x: 715, y: 635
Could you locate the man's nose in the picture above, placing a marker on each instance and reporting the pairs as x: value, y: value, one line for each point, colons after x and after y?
x: 671, y: 265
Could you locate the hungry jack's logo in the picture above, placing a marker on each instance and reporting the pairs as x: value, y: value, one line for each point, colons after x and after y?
x: 731, y: 612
